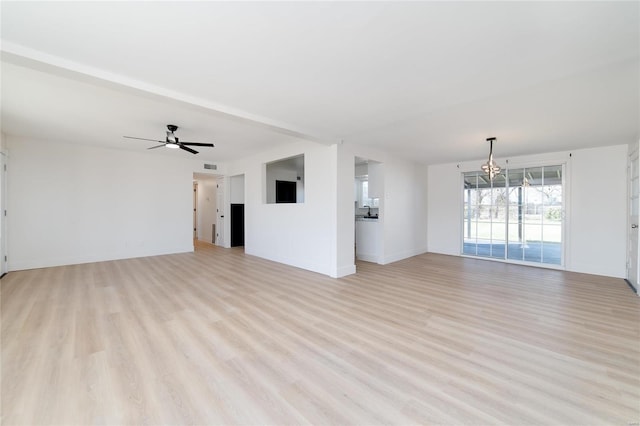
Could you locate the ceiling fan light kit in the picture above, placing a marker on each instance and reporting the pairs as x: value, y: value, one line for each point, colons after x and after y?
x: 172, y: 141
x: 491, y: 168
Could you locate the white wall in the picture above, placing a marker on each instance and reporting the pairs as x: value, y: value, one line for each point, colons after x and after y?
x: 344, y: 215
x: 301, y: 234
x: 404, y: 210
x: 77, y: 203
x: 595, y: 197
x: 598, y: 217
x: 206, y: 209
x: 236, y: 184
x: 3, y: 205
x: 444, y: 225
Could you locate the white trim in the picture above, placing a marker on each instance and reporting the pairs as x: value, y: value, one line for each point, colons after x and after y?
x: 61, y: 261
x: 344, y: 271
x: 566, y: 214
x: 632, y: 152
x: 402, y: 255
x: 368, y: 257
x: 4, y: 197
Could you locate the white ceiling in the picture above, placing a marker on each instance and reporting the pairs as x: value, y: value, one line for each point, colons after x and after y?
x: 429, y: 80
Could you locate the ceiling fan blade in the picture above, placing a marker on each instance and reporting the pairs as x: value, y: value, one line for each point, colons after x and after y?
x: 197, y: 144
x: 143, y: 139
x: 157, y: 146
x: 193, y: 151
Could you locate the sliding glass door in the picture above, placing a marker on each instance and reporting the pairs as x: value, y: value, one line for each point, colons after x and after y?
x: 484, y: 215
x: 517, y: 216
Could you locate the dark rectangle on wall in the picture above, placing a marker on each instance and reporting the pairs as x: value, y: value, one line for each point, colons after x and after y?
x: 237, y: 225
x: 286, y: 191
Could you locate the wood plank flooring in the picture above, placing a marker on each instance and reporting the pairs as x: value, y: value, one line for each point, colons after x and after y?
x: 219, y: 337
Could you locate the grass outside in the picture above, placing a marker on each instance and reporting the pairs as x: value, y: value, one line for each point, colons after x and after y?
x: 533, y: 230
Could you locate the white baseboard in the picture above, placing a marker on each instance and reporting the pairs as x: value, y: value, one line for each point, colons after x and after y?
x: 368, y: 257
x: 344, y: 271
x: 402, y: 255
x: 25, y: 264
x: 296, y: 263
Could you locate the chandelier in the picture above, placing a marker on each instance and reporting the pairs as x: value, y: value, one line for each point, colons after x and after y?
x: 490, y: 167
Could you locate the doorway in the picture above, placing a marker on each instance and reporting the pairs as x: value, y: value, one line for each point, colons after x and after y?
x: 205, y: 206
x: 368, y: 192
x: 237, y: 222
x: 237, y: 225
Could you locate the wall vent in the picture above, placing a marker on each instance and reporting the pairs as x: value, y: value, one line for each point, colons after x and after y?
x: 211, y: 167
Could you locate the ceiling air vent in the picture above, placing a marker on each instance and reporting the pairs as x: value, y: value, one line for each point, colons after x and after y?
x: 211, y: 167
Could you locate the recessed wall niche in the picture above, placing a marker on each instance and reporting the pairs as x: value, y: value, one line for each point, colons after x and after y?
x: 285, y: 180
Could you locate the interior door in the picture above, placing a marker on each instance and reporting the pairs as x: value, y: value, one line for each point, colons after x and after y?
x: 634, y: 206
x: 195, y: 211
x: 220, y: 212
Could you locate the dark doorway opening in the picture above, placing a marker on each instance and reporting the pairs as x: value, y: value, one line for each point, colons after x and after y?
x: 237, y: 225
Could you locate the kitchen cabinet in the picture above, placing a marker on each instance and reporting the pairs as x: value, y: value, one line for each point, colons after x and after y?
x: 368, y: 240
x: 375, y: 180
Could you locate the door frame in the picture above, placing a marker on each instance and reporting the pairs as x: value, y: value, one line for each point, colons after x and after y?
x: 4, y: 265
x: 566, y: 197
x: 633, y: 196
x: 221, y: 210
x: 195, y: 210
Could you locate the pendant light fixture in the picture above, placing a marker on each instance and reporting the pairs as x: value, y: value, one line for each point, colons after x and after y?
x: 490, y: 167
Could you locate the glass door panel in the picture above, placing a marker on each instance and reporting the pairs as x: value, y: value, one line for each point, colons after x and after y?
x: 517, y: 216
x: 532, y: 246
x: 470, y: 226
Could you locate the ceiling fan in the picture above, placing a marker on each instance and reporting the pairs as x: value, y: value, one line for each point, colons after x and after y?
x: 172, y: 141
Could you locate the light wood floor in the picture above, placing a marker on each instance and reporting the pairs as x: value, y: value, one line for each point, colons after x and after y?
x: 219, y: 337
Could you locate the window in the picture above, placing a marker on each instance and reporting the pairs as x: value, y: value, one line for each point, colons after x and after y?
x: 517, y: 216
x: 284, y: 180
x: 363, y: 194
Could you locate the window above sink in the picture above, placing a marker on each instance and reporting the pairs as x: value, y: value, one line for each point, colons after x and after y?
x: 362, y: 194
